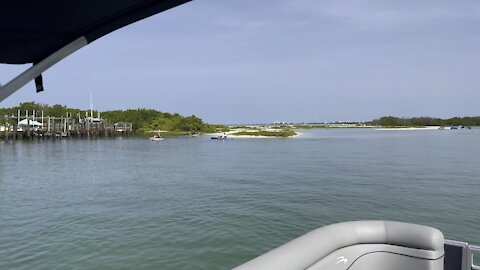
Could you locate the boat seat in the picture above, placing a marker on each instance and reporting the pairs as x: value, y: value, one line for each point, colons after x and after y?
x: 358, y: 245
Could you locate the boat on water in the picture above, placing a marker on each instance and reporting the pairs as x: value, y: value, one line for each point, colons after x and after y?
x: 156, y: 138
x: 46, y: 38
x: 220, y: 137
x: 454, y: 127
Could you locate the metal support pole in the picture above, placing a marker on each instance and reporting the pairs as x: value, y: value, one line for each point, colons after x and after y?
x: 37, y: 69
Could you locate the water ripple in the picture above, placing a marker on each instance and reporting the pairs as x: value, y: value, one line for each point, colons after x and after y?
x: 183, y: 204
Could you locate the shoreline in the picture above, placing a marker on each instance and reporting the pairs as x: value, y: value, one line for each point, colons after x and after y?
x: 233, y: 133
x: 298, y: 134
x: 409, y: 128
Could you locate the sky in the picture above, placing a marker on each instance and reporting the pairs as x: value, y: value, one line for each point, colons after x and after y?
x: 250, y: 61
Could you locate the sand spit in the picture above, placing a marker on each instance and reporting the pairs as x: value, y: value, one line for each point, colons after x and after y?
x: 409, y: 128
x: 253, y: 129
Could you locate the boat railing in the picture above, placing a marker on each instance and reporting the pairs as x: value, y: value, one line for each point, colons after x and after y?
x: 460, y: 255
x: 475, y: 250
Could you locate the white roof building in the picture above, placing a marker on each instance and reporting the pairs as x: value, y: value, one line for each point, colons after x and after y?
x: 32, y: 123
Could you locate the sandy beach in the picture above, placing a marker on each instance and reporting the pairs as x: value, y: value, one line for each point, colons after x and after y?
x: 231, y: 133
x: 409, y: 128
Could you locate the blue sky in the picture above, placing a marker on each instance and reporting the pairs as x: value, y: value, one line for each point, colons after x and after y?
x: 243, y: 61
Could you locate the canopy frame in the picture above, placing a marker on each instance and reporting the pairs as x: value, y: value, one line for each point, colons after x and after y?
x: 38, y: 68
x: 61, y: 31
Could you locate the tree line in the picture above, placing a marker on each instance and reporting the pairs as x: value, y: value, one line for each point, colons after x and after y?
x: 426, y: 121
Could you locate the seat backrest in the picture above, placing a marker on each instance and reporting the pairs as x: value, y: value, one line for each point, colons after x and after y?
x: 408, y: 240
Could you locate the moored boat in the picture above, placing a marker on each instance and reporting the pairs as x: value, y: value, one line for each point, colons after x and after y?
x: 220, y: 137
x: 157, y: 137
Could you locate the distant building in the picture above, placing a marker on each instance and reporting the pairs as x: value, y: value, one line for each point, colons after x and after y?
x: 122, y: 127
x: 25, y: 123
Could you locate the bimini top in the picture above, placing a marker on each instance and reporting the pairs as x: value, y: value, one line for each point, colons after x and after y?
x: 43, y: 32
x: 31, y: 30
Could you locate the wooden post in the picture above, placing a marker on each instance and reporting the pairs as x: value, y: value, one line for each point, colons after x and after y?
x: 3, y: 133
x: 54, y: 129
x: 34, y: 114
x: 48, y: 126
x: 15, y: 127
x: 62, y: 125
x: 76, y: 127
x: 5, y: 130
x: 69, y: 125
x: 73, y: 127
x: 28, y: 125
x: 43, y: 127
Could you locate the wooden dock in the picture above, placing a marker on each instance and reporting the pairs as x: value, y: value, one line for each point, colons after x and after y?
x: 29, y: 127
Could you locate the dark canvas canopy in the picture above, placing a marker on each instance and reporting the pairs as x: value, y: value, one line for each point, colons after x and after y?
x: 30, y: 30
x: 43, y: 32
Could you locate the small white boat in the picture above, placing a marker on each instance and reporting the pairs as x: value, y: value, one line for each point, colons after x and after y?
x: 220, y: 137
x: 156, y: 138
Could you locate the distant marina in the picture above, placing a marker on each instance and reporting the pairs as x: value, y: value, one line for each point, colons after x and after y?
x: 31, y: 125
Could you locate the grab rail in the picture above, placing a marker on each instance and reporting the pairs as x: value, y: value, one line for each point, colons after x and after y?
x: 474, y: 249
x: 465, y: 259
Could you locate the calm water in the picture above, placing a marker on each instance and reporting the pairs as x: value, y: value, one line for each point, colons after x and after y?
x: 194, y: 203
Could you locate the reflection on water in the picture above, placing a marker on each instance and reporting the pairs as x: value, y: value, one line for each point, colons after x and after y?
x: 196, y: 203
